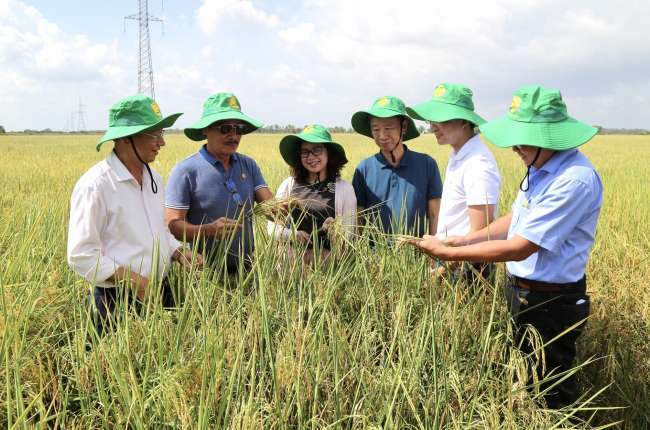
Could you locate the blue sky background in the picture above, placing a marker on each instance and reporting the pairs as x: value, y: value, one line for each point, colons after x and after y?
x: 317, y: 61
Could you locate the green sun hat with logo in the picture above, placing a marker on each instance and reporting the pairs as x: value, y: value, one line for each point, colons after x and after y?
x: 383, y: 107
x: 133, y: 115
x: 449, y: 101
x: 537, y: 117
x: 316, y: 133
x: 220, y: 107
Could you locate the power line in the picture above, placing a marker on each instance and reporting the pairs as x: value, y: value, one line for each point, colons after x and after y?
x: 145, y: 67
x: 81, y: 127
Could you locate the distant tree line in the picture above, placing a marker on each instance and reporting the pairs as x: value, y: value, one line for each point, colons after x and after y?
x: 639, y: 131
x: 292, y: 129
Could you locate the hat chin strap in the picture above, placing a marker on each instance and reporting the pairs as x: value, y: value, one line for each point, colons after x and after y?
x: 401, y: 127
x: 527, y: 177
x: 154, y: 186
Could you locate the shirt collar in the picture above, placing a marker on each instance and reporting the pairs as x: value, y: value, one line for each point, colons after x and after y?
x: 404, y: 162
x: 119, y: 168
x: 204, y: 151
x: 557, y: 159
x: 467, y: 148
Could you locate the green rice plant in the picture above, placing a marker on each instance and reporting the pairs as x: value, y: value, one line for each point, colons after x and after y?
x: 368, y: 340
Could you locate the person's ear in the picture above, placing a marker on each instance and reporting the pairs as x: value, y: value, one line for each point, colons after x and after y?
x: 205, y: 131
x: 405, y: 126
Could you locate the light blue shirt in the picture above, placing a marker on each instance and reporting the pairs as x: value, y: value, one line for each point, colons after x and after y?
x: 559, y: 212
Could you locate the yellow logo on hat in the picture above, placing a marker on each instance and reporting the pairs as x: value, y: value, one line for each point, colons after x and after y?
x: 514, y: 107
x: 382, y: 101
x: 155, y: 108
x: 308, y: 130
x: 232, y: 101
x: 440, y: 91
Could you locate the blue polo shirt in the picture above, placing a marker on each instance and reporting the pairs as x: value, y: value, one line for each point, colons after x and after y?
x: 198, y: 184
x: 405, y: 189
x: 559, y: 212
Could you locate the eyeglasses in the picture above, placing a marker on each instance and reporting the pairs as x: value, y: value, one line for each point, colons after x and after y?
x: 230, y: 184
x: 158, y: 136
x: 304, y: 153
x: 227, y: 128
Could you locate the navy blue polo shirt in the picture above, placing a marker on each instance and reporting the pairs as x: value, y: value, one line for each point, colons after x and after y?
x: 406, y: 189
x: 198, y: 185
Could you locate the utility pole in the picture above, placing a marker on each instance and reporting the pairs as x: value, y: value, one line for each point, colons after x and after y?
x: 81, y: 127
x: 71, y: 122
x: 145, y: 68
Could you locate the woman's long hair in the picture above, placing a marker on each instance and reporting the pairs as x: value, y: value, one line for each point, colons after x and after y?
x: 333, y: 169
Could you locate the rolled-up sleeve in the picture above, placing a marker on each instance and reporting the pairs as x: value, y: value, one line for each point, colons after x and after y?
x: 87, y: 221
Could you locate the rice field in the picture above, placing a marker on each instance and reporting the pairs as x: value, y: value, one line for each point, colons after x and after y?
x: 366, y: 343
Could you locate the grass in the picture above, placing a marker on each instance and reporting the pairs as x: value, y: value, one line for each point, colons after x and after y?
x: 366, y: 342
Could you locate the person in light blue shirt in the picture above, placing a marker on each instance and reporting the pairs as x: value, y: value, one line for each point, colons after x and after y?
x: 547, y: 237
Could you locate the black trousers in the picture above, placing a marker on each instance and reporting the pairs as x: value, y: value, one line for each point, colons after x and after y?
x: 102, y: 308
x: 551, y: 313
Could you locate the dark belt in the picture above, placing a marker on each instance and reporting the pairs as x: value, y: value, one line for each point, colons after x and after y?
x: 532, y: 285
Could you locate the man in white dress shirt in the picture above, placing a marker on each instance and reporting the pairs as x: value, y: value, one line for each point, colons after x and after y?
x: 118, y: 232
x: 470, y: 194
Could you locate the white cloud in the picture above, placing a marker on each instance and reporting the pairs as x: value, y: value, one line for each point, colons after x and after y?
x: 43, y: 66
x: 214, y: 14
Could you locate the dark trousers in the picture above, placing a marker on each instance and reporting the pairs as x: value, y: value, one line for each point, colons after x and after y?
x: 551, y: 313
x: 102, y: 310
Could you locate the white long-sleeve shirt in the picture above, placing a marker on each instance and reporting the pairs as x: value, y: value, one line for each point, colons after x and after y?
x: 116, y: 223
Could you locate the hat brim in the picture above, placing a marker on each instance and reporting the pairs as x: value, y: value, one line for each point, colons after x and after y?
x: 289, y: 146
x: 441, y: 112
x: 114, y: 133
x: 361, y: 122
x: 195, y: 131
x: 558, y: 136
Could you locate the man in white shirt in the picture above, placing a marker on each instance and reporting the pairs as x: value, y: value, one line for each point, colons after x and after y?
x: 470, y: 194
x: 118, y: 231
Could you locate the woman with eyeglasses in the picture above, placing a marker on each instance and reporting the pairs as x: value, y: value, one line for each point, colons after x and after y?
x: 316, y: 164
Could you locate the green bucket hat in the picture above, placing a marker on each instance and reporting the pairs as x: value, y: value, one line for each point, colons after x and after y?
x: 219, y: 107
x: 383, y: 107
x: 133, y: 115
x: 449, y: 101
x: 314, y: 133
x: 537, y: 117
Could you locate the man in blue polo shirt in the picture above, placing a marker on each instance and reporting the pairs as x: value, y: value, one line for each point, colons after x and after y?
x: 208, y: 192
x: 547, y: 238
x: 407, y: 181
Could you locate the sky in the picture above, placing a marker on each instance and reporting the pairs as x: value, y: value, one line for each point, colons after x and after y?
x: 317, y: 61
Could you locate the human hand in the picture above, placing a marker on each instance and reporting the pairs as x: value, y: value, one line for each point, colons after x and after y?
x: 222, y: 227
x: 326, y: 223
x: 302, y: 237
x: 455, y: 240
x: 428, y: 244
x: 184, y: 257
x: 142, y: 284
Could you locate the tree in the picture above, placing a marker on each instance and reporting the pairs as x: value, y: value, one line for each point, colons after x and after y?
x: 421, y: 128
x: 600, y: 129
x: 2, y: 130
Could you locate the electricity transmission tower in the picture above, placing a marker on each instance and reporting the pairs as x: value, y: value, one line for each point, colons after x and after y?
x: 81, y: 127
x: 145, y: 69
